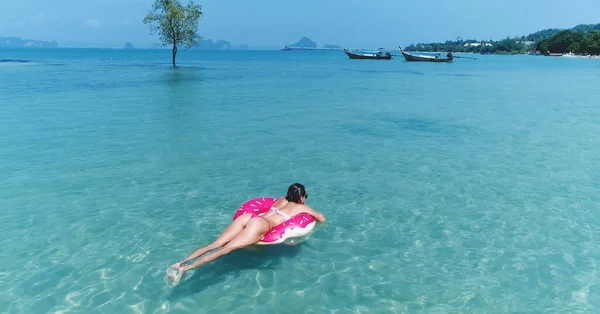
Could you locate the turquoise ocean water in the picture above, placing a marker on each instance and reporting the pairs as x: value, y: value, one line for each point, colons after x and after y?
x: 470, y: 187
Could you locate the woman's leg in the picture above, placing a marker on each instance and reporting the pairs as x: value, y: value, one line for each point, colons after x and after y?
x: 252, y: 233
x: 234, y: 229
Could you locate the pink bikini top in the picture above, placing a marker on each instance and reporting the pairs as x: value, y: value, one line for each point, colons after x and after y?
x: 277, y: 211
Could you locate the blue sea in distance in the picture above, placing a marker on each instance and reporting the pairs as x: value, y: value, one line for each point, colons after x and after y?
x: 471, y: 187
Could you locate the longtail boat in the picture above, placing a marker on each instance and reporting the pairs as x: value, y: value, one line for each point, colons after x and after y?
x: 379, y: 55
x: 412, y: 57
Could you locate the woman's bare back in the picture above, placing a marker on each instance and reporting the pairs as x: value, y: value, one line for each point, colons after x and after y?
x: 292, y: 209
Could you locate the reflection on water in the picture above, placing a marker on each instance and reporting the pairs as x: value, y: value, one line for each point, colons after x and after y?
x: 180, y: 74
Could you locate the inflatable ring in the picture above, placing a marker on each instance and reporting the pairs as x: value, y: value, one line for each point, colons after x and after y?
x: 297, y: 227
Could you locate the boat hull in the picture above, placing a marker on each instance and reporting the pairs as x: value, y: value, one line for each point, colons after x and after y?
x: 367, y: 56
x: 410, y: 57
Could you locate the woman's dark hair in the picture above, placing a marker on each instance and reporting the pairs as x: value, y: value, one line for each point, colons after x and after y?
x: 295, y: 192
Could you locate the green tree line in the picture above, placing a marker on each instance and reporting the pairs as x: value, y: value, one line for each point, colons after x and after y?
x: 571, y: 41
x: 505, y: 46
x: 582, y: 39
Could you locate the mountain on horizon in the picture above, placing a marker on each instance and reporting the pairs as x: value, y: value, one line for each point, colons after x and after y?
x: 307, y: 43
x: 582, y: 28
x: 304, y: 42
x: 208, y: 44
x: 16, y: 42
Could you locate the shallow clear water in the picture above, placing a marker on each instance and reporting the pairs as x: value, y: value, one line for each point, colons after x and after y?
x: 465, y: 187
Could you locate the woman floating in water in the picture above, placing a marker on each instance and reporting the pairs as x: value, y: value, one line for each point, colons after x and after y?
x: 248, y: 229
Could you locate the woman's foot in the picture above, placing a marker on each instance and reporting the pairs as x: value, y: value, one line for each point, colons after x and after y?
x: 179, y: 275
x: 173, y: 270
x: 171, y: 273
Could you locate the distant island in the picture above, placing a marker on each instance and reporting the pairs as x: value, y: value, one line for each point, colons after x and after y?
x: 16, y: 42
x: 217, y: 45
x: 208, y: 44
x: 306, y: 43
x: 581, y: 39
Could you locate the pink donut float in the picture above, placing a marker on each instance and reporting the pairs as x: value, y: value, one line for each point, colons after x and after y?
x: 297, y: 227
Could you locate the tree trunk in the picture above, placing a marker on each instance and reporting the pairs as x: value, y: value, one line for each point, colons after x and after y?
x: 174, y: 53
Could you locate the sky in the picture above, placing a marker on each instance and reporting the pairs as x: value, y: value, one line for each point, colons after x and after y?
x: 271, y: 23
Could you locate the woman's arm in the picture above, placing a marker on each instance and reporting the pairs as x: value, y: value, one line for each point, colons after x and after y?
x: 318, y: 216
